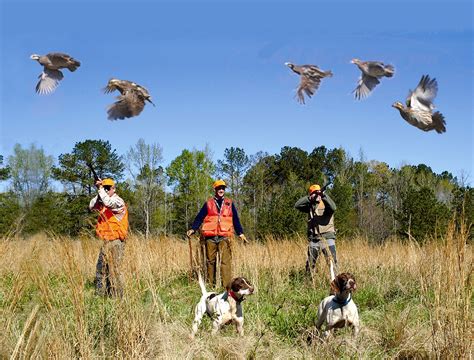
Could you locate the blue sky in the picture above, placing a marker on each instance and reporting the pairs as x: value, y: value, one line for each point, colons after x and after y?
x: 216, y: 73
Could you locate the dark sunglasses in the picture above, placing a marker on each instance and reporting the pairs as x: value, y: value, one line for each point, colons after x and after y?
x: 107, y: 187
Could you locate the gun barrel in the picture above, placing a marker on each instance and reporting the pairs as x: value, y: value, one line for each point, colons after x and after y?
x: 325, y: 186
x: 96, y: 177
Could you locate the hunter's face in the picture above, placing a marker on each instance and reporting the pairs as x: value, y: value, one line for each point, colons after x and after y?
x: 109, y: 189
x: 220, y: 191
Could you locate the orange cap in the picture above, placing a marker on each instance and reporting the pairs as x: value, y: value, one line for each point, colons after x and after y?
x: 108, y: 182
x: 314, y: 188
x: 218, y: 183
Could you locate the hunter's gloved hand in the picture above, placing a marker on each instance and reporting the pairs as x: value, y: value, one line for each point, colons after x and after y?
x: 189, y: 232
x: 243, y: 238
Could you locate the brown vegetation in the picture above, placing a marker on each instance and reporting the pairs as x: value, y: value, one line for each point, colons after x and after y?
x: 414, y: 301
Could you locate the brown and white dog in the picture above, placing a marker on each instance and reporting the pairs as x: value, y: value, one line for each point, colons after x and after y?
x: 339, y: 310
x: 223, y: 308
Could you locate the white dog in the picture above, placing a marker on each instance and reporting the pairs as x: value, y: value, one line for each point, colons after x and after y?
x: 339, y: 310
x: 223, y: 308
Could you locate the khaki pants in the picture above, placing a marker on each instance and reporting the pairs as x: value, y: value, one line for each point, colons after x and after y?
x: 225, y: 253
x: 314, y: 249
x: 108, y: 277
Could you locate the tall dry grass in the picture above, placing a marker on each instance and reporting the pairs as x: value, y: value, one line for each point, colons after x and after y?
x: 414, y: 301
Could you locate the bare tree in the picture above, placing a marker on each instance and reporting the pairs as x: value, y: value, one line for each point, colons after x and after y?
x: 30, y: 171
x: 144, y: 166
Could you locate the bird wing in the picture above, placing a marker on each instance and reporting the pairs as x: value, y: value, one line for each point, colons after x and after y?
x: 49, y: 81
x: 59, y: 59
x: 375, y: 68
x: 136, y: 103
x: 308, y: 85
x: 143, y: 90
x: 127, y: 105
x: 119, y: 109
x: 422, y: 97
x: 312, y: 71
x: 365, y: 85
x: 438, y: 124
x: 121, y: 85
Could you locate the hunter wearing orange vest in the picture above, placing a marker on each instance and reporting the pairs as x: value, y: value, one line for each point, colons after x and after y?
x: 112, y: 228
x: 219, y: 220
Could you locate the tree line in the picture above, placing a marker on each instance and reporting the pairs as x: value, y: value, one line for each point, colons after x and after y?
x: 373, y: 199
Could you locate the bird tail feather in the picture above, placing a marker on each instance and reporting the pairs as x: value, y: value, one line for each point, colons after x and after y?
x: 75, y: 64
x: 439, y: 122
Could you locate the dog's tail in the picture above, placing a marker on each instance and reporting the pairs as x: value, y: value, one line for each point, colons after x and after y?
x: 201, y: 283
x: 331, y: 269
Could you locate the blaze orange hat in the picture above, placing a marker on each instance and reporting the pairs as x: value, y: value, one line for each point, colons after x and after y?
x: 218, y: 183
x: 314, y: 188
x: 108, y: 182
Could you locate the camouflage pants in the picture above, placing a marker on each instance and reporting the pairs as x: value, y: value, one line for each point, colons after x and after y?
x: 108, y: 278
x: 223, y: 247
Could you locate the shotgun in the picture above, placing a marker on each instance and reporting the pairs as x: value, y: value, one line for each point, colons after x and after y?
x: 325, y: 186
x: 96, y: 178
x: 91, y: 168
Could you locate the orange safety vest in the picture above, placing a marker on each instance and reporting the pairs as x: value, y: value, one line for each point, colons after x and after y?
x: 111, y: 227
x: 218, y: 223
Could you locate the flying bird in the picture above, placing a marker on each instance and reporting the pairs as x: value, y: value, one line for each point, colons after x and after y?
x: 310, y: 76
x: 419, y: 107
x: 52, y: 75
x: 372, y: 71
x: 131, y: 100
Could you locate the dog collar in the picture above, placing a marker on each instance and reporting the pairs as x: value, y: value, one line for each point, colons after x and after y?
x: 233, y: 296
x: 342, y: 302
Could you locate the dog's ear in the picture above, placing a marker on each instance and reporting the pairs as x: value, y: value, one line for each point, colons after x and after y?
x: 335, y: 286
x: 354, y: 283
x: 234, y: 285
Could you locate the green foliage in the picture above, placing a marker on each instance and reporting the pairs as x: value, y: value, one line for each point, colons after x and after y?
x: 373, y: 200
x: 463, y: 203
x: 10, y: 212
x: 4, y: 171
x: 190, y: 175
x: 74, y: 172
x: 278, y: 216
x: 291, y: 161
x: 345, y: 216
x: 233, y: 169
x: 135, y: 216
x: 59, y: 213
x: 422, y: 215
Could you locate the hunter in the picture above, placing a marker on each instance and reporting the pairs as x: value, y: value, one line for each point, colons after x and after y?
x: 320, y: 209
x: 112, y: 228
x: 219, y: 220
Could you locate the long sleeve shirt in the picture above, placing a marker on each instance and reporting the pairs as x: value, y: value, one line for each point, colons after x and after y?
x: 320, y: 217
x: 114, y: 202
x: 203, y: 213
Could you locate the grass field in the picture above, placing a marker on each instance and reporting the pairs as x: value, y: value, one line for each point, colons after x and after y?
x: 414, y: 301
